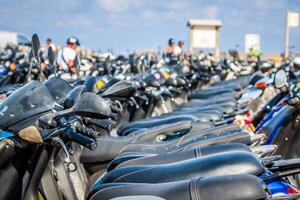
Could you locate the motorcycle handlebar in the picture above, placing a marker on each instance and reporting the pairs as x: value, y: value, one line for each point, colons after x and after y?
x: 72, y: 135
x: 104, y: 124
x: 88, y: 132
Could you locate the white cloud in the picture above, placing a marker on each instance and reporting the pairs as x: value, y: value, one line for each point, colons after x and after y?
x: 148, y: 14
x: 75, y: 21
x: 210, y: 12
x: 118, y: 6
x: 177, y: 5
x: 268, y: 4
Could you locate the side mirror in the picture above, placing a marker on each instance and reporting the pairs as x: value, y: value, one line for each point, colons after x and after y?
x: 280, y: 79
x: 90, y: 83
x: 107, y: 66
x: 51, y: 57
x: 73, y: 96
x: 92, y: 105
x: 36, y: 45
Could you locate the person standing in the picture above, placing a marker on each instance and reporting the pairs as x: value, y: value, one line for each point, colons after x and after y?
x: 49, y: 43
x: 66, y: 58
x: 179, y: 48
x: 170, y: 47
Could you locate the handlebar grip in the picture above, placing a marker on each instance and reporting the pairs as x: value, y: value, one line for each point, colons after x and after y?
x: 104, y: 124
x: 71, y: 134
x: 90, y: 133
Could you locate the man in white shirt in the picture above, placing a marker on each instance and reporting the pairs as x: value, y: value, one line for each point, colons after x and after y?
x: 178, y: 48
x: 66, y: 57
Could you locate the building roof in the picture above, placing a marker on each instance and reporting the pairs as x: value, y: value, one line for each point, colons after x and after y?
x: 204, y: 22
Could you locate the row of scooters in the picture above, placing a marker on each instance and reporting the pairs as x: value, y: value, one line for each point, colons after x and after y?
x: 163, y: 134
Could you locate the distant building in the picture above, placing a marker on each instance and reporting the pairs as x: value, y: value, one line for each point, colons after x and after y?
x: 204, y: 34
x: 7, y: 37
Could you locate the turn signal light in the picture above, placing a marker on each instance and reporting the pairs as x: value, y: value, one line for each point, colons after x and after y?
x: 260, y: 85
x: 31, y: 134
x: 12, y: 67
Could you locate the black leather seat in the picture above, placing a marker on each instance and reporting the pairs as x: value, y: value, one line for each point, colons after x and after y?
x: 232, y: 187
x: 206, y: 116
x: 201, y: 102
x: 188, y: 141
x: 208, y: 93
x: 109, y: 147
x: 242, y: 81
x: 149, y: 123
x: 224, y: 107
x: 131, y: 160
x: 228, y: 163
x: 233, y: 87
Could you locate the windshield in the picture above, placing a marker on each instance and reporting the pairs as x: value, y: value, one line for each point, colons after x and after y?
x: 27, y: 101
x: 22, y: 40
x: 58, y: 88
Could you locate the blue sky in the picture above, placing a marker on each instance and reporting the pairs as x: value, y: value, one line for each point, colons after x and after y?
x: 147, y: 24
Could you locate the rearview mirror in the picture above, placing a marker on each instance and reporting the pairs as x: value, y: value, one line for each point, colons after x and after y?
x: 73, y: 96
x: 93, y: 106
x: 51, y: 57
x: 280, y: 79
x: 89, y: 83
x: 36, y: 45
x: 87, y: 105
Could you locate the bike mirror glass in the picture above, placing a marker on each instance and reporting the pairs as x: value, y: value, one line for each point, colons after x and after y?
x: 36, y: 45
x: 89, y: 83
x: 73, y: 96
x: 280, y: 79
x: 51, y: 56
x: 92, y: 105
x: 31, y: 134
x: 108, y: 66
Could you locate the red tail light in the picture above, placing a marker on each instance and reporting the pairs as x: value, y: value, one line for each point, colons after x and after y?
x: 293, y: 190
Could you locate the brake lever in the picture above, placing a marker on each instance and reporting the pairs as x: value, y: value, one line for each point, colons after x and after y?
x: 70, y: 165
x: 135, y: 103
x: 48, y: 134
x: 61, y: 144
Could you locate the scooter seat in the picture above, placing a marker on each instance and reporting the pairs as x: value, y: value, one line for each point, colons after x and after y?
x: 109, y: 147
x: 201, y: 102
x: 206, y: 94
x: 149, y: 123
x: 228, y: 163
x: 224, y: 107
x: 131, y: 160
x: 231, y: 187
x: 230, y: 86
x: 188, y: 141
x: 242, y: 81
x: 204, y: 116
x: 197, y: 138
